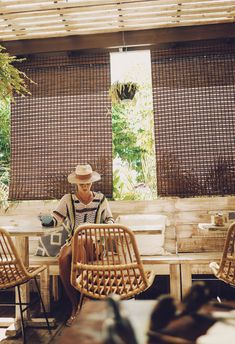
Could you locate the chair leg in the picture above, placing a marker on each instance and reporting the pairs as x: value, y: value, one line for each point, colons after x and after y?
x: 21, y: 315
x: 42, y: 303
x: 80, y: 302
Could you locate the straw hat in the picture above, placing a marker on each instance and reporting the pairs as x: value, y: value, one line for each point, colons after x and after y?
x: 83, y: 174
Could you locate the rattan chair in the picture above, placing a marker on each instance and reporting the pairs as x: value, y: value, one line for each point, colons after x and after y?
x: 110, y: 263
x: 13, y: 273
x: 225, y: 271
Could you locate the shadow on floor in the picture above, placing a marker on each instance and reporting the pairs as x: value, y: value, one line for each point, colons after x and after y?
x: 60, y: 311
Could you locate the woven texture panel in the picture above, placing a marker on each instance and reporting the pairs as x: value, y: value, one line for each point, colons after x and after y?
x: 194, y: 114
x: 63, y: 123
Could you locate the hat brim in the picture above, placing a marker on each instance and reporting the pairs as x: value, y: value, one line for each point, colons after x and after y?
x: 73, y: 179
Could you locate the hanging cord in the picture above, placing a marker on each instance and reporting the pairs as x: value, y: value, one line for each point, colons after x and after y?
x: 123, y: 41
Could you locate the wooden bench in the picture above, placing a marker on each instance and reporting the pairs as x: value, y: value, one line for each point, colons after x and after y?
x: 180, y: 268
x: 161, y: 265
x: 166, y: 265
x: 51, y: 271
x: 195, y: 263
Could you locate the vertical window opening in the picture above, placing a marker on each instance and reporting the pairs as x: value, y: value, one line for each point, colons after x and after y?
x: 134, y: 162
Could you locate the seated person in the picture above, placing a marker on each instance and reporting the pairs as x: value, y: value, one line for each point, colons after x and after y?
x: 84, y: 206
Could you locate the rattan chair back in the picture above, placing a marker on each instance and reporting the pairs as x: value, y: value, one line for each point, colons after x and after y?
x: 226, y: 269
x: 12, y: 269
x: 106, y: 260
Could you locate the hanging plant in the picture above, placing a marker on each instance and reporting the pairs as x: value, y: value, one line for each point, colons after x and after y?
x: 11, y: 79
x: 123, y: 91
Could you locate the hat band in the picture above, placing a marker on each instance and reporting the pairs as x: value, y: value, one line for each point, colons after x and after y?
x: 83, y: 177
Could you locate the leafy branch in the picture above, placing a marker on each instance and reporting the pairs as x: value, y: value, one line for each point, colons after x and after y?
x: 11, y: 79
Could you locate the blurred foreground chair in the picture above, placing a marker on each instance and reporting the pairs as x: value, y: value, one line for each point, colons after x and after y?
x: 110, y: 264
x: 13, y: 273
x: 225, y: 271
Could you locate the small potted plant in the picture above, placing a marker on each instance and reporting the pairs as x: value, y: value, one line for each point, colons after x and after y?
x: 123, y: 91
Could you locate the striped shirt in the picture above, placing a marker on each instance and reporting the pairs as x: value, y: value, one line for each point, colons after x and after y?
x: 72, y: 212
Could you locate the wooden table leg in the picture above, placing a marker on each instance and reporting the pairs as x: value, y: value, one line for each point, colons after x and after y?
x: 186, y: 278
x: 22, y: 246
x: 45, y: 288
x: 175, y: 281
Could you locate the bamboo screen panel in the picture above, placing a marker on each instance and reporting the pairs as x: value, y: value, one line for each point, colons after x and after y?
x: 63, y: 123
x: 194, y: 119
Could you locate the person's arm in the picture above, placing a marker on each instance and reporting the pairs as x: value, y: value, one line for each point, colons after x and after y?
x: 60, y: 212
x: 58, y: 215
x: 108, y: 217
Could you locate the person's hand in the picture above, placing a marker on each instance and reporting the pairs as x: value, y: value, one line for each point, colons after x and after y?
x: 46, y: 220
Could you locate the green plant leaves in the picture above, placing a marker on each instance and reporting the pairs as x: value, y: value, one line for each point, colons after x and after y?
x: 11, y: 79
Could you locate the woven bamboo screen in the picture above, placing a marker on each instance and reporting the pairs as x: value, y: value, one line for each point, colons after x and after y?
x: 194, y: 113
x: 63, y: 123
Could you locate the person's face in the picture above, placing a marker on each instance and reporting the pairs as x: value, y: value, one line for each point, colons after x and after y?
x: 84, y: 187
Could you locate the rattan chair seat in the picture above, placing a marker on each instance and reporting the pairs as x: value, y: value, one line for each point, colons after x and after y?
x: 12, y: 276
x: 126, y: 286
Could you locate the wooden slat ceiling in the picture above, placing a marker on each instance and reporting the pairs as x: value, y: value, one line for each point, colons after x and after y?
x: 32, y: 19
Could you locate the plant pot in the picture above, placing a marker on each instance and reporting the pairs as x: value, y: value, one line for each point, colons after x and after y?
x: 127, y: 92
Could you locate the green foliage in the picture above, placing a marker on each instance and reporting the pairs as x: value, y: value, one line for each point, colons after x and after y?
x: 5, y: 134
x: 133, y: 149
x: 4, y: 152
x: 124, y: 184
x: 4, y: 177
x: 11, y: 79
x: 125, y: 143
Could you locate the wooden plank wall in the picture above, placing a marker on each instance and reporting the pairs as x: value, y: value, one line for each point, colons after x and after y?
x: 183, y: 214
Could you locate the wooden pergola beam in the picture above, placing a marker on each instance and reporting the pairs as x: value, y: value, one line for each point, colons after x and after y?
x: 121, y: 39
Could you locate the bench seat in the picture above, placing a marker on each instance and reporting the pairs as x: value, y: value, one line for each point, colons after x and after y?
x: 180, y: 268
x: 53, y: 271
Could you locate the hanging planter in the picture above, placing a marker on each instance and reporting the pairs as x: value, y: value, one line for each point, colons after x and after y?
x: 123, y: 91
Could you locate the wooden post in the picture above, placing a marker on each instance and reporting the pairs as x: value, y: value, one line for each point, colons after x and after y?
x: 22, y: 246
x: 175, y: 289
x: 186, y: 278
x: 45, y: 288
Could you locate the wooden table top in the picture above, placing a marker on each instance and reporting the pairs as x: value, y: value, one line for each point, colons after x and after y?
x: 20, y: 225
x: 31, y: 226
